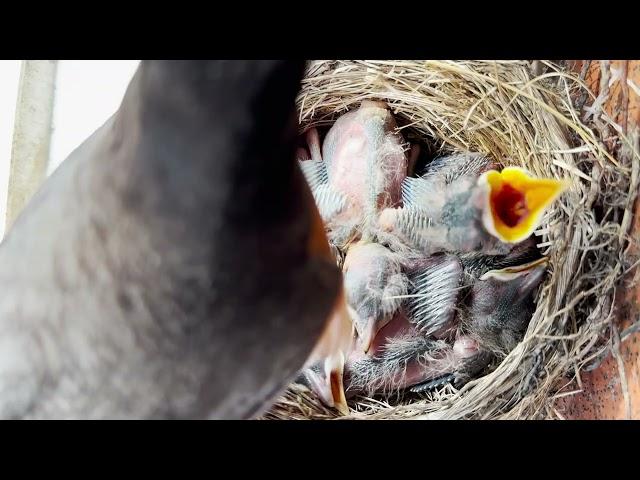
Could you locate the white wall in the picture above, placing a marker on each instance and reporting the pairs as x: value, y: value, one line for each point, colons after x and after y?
x: 87, y: 93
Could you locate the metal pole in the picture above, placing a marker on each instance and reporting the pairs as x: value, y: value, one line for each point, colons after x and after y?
x: 32, y: 133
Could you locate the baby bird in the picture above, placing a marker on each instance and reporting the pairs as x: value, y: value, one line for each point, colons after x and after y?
x: 359, y: 171
x: 462, y: 204
x: 375, y: 287
x: 493, y: 316
x: 403, y: 357
x: 437, y: 283
x: 443, y: 335
x: 175, y: 265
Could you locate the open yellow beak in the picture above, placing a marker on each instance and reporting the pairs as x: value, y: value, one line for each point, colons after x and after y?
x: 516, y: 201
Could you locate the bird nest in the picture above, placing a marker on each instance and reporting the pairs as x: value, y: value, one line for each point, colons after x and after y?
x: 519, y: 114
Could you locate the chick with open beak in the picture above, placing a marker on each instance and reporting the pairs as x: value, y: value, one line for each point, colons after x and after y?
x: 513, y: 202
x: 463, y: 204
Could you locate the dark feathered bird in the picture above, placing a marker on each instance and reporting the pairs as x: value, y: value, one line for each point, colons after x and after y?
x: 175, y: 265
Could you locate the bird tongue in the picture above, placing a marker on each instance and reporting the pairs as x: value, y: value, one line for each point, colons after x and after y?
x: 510, y: 205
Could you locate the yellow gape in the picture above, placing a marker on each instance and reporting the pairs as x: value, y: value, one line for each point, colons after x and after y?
x: 516, y: 201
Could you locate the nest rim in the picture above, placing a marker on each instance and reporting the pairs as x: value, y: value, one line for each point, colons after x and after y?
x: 504, y: 110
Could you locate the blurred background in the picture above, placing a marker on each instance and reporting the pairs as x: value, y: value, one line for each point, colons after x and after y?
x: 78, y: 96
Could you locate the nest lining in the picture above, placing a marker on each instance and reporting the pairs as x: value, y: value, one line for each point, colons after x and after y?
x: 504, y: 110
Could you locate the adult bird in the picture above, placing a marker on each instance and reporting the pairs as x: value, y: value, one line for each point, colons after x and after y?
x: 175, y: 265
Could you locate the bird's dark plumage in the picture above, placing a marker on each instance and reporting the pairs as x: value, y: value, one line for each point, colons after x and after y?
x: 174, y: 266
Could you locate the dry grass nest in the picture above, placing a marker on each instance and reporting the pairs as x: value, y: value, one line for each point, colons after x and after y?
x: 505, y: 110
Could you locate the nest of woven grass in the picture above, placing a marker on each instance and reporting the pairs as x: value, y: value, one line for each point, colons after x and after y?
x: 520, y: 115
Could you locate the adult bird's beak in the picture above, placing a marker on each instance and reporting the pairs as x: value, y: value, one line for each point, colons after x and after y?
x: 336, y: 340
x: 332, y: 349
x: 514, y: 202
